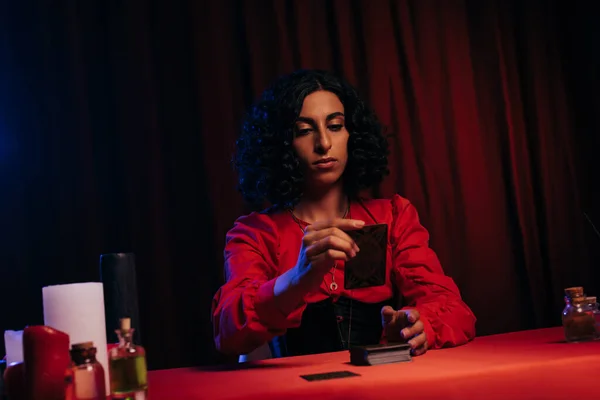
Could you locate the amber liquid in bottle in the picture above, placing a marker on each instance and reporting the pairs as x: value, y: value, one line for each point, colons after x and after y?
x: 127, y: 364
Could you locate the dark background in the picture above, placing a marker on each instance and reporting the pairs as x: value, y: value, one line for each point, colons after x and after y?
x: 118, y: 120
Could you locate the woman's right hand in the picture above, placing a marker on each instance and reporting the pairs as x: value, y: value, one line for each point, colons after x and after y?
x: 323, y: 244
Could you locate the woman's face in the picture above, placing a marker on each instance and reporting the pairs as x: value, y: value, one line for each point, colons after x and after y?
x: 321, y: 139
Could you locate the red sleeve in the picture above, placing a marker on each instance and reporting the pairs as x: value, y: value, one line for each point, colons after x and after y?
x: 244, y: 310
x: 422, y: 282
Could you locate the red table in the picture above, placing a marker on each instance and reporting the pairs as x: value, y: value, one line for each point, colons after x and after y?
x: 535, y: 364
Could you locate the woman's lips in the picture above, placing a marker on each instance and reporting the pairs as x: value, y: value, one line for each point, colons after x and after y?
x: 326, y: 163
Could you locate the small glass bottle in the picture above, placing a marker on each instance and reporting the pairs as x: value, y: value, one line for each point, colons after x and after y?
x: 86, y: 375
x: 579, y: 319
x: 593, y: 308
x: 127, y: 364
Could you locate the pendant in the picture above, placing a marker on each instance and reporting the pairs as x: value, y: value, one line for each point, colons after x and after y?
x: 333, y: 286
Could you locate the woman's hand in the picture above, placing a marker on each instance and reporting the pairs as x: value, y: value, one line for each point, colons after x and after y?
x: 323, y: 244
x: 405, y: 326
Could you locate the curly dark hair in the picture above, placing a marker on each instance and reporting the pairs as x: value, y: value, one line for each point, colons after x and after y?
x: 267, y: 164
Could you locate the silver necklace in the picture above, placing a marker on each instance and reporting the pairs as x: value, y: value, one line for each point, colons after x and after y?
x: 333, y: 285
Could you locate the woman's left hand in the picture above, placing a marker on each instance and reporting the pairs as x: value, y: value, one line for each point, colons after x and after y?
x: 405, y: 326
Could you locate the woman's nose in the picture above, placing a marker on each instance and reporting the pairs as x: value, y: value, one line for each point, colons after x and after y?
x: 323, y: 143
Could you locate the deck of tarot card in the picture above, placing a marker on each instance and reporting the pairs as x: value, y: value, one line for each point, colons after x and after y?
x: 380, y: 354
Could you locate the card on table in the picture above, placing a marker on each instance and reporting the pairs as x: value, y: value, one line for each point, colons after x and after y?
x: 367, y: 269
x: 329, y: 375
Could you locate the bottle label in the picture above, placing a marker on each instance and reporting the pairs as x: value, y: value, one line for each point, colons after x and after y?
x: 85, y: 384
x: 141, y: 395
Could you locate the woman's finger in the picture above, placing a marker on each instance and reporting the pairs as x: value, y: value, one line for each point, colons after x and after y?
x: 420, y: 345
x: 393, y: 322
x: 312, y: 237
x: 418, y: 341
x: 388, y: 315
x: 341, y: 223
x: 412, y: 330
x: 330, y: 243
x: 412, y: 315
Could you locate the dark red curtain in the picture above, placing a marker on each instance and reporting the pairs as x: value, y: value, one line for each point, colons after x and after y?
x: 118, y: 120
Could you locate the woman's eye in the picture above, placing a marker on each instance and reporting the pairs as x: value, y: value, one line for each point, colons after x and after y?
x: 302, y: 132
x: 336, y: 127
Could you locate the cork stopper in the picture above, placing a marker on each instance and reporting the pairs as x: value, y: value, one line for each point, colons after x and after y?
x: 575, y: 291
x: 125, y: 324
x: 590, y: 299
x: 82, y: 346
x: 579, y: 300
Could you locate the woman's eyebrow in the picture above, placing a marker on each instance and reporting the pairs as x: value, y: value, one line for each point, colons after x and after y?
x: 309, y: 120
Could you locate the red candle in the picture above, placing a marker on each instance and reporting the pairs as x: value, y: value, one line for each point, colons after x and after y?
x: 46, y: 356
x: 14, y: 381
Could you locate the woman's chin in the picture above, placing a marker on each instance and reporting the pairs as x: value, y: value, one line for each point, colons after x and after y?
x: 324, y: 181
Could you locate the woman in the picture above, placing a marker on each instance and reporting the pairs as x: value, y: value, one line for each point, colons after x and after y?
x: 309, y: 146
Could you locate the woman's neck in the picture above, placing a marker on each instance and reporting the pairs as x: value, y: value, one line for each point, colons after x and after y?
x: 330, y: 204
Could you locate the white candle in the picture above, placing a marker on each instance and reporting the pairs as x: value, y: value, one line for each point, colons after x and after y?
x: 13, y: 342
x: 78, y: 310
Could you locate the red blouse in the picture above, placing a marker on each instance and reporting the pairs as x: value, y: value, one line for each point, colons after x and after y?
x: 262, y: 246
